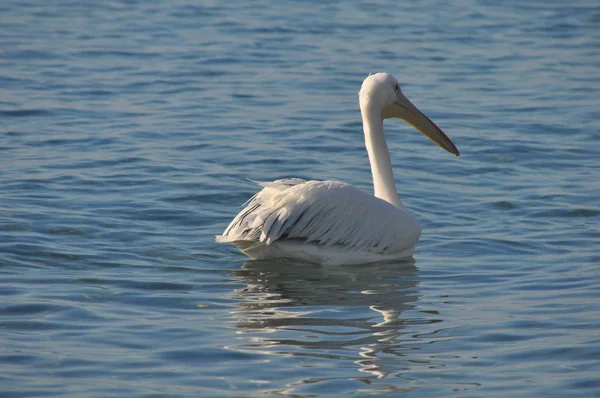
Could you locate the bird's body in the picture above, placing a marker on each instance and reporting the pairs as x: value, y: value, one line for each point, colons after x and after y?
x: 322, y: 222
x: 333, y: 222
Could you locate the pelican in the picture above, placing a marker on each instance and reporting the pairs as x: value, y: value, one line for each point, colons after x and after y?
x: 331, y: 222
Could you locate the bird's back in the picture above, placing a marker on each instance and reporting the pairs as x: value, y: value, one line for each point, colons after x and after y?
x: 328, y: 214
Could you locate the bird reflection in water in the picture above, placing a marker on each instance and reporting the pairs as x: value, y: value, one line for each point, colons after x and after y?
x: 337, y: 313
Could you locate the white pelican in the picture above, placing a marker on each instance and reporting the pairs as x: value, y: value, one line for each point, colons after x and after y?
x: 332, y: 222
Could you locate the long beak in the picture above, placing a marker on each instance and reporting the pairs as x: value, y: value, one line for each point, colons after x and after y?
x: 404, y: 109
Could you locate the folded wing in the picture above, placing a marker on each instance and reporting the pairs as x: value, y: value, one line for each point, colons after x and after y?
x: 326, y: 213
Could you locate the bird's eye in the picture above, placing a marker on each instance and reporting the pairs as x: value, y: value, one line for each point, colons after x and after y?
x: 396, y: 87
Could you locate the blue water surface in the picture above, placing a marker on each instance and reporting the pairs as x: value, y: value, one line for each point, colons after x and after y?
x: 128, y: 130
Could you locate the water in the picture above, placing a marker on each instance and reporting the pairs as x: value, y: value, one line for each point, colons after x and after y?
x: 128, y: 130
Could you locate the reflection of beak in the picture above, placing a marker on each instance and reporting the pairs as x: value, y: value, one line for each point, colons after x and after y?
x: 403, y: 109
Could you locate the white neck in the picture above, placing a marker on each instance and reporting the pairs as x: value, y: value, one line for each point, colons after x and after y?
x: 379, y: 155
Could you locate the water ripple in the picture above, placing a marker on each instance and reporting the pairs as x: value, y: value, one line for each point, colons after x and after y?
x: 130, y: 130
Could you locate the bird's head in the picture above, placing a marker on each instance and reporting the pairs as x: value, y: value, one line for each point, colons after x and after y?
x: 381, y: 92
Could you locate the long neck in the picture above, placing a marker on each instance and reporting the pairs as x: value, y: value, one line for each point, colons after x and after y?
x: 379, y: 156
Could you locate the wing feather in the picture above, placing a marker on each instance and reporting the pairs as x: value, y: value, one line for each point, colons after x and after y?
x: 324, y: 212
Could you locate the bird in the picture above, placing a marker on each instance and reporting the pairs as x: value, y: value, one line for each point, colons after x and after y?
x: 332, y: 222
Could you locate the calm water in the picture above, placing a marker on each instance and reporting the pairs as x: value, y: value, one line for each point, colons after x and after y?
x: 128, y: 130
